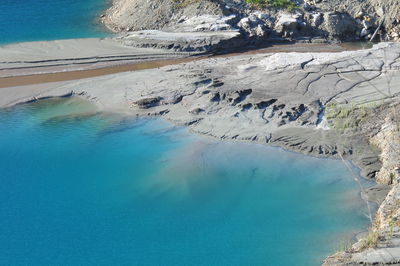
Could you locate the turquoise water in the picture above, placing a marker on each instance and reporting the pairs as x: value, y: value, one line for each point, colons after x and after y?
x: 85, y: 188
x: 34, y: 20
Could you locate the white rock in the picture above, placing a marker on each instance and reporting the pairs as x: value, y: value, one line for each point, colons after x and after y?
x: 364, y: 32
x: 288, y: 22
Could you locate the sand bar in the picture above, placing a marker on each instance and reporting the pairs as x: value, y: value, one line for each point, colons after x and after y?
x: 40, y: 62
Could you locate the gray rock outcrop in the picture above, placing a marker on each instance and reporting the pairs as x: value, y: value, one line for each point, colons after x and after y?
x: 333, y: 20
x: 134, y: 15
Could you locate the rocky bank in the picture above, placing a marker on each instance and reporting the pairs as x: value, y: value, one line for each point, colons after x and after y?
x: 221, y: 25
x: 381, y: 246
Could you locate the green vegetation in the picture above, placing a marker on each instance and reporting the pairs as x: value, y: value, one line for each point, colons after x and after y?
x: 392, y: 176
x: 347, y: 116
x: 392, y: 224
x: 288, y: 4
x: 370, y: 241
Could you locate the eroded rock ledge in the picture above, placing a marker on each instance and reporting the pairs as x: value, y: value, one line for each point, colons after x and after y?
x: 382, y: 244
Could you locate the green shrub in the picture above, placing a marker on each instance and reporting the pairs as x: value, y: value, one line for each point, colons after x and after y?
x: 370, y: 241
x: 288, y: 4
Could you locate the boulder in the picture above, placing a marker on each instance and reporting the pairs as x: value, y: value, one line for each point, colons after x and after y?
x: 146, y: 103
x: 364, y: 32
x: 308, y: 6
x: 195, y: 41
x: 367, y: 23
x: 317, y: 19
x: 288, y: 23
x: 206, y: 23
x: 253, y: 26
x: 339, y: 26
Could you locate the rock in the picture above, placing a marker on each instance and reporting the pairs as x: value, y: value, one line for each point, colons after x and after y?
x: 364, y: 32
x: 380, y: 12
x: 249, y: 22
x: 156, y: 14
x: 317, y: 19
x: 168, y: 15
x: 307, y: 6
x: 199, y: 33
x: 367, y: 24
x: 261, y: 31
x: 394, y: 33
x: 182, y: 19
x: 146, y: 103
x: 253, y: 26
x: 339, y: 25
x: 206, y: 23
x: 196, y: 111
x: 359, y: 15
x: 376, y: 193
x: 245, y: 23
x: 263, y: 16
x: 288, y: 23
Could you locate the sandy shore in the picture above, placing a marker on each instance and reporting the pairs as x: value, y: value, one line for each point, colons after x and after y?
x: 31, y: 58
x: 41, y: 62
x: 22, y: 80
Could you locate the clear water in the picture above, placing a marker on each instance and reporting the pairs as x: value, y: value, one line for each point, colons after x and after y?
x: 34, y: 20
x: 85, y: 188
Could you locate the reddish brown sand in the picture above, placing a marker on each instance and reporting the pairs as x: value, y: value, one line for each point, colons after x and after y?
x: 81, y: 74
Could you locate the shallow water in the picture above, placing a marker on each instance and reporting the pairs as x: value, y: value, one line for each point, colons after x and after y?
x: 34, y: 20
x: 86, y: 188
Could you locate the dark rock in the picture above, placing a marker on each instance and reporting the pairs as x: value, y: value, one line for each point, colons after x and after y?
x: 216, y: 97
x: 148, y: 102
x: 196, y: 111
x: 265, y: 104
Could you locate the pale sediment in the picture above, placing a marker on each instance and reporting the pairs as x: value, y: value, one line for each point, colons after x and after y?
x: 31, y: 58
x: 284, y: 99
x: 52, y: 61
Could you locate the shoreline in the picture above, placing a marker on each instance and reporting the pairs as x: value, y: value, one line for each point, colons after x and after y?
x: 197, y: 94
x: 370, y: 183
x: 246, y: 97
x: 354, y: 190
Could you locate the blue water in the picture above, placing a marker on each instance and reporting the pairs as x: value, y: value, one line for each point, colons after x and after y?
x: 34, y: 20
x: 86, y: 188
